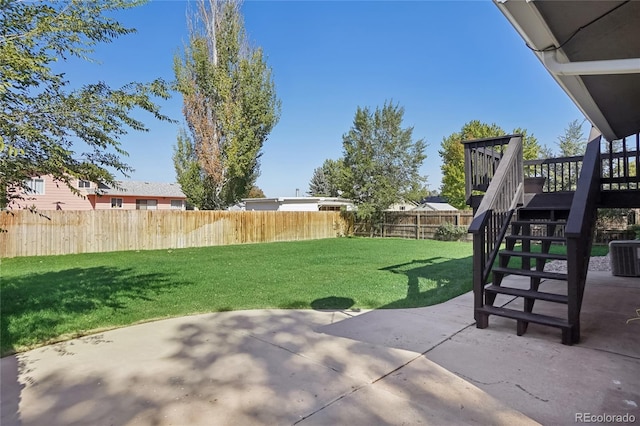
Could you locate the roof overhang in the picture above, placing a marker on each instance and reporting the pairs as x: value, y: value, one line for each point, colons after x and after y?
x: 592, y: 49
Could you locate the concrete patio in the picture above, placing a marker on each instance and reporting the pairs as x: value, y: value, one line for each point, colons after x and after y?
x: 414, y: 366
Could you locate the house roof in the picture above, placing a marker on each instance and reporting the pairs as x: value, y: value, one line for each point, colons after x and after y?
x: 323, y: 201
x: 143, y: 189
x: 592, y: 49
x: 435, y: 207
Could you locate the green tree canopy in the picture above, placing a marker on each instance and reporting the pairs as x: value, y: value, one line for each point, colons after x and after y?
x: 417, y: 192
x: 46, y: 126
x: 381, y: 160
x: 256, y: 192
x: 324, y: 181
x: 452, y: 155
x: 190, y: 175
x: 572, y: 142
x: 230, y: 104
x: 531, y: 148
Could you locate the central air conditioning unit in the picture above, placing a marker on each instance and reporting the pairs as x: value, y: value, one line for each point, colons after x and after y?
x: 625, y: 258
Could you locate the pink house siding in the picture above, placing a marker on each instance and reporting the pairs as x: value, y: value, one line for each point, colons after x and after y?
x: 133, y: 195
x: 56, y: 196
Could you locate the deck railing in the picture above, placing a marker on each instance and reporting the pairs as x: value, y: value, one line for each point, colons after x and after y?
x: 491, y: 220
x: 561, y: 174
x: 481, y: 159
x: 618, y: 167
x: 620, y: 160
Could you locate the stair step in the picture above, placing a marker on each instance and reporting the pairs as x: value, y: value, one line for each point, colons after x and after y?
x: 539, y: 295
x: 543, y: 212
x: 537, y: 238
x: 530, y: 273
x: 539, y: 222
x: 546, y: 208
x: 525, y: 316
x: 548, y: 256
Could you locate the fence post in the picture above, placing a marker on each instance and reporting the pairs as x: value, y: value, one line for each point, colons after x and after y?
x: 384, y: 223
x: 417, y: 226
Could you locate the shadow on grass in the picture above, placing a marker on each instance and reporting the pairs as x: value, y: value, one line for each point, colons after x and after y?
x: 443, y: 279
x: 429, y: 282
x: 38, y: 307
x: 333, y: 303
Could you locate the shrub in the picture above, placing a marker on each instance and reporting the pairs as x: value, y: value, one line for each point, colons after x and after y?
x: 450, y: 232
x: 636, y: 230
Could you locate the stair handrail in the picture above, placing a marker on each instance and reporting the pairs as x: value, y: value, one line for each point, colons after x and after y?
x: 579, y: 230
x: 491, y: 221
x: 505, y: 191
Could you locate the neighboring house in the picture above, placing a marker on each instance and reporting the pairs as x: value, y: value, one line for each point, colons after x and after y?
x: 47, y: 194
x: 433, y: 207
x: 139, y: 195
x: 238, y: 207
x: 402, y: 206
x: 309, y: 204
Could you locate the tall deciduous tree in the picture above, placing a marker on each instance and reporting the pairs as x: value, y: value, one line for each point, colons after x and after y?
x: 46, y: 127
x: 452, y: 155
x: 381, y: 160
x: 230, y: 103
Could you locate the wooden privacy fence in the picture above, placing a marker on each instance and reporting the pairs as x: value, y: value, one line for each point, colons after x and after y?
x: 417, y: 225
x: 65, y: 232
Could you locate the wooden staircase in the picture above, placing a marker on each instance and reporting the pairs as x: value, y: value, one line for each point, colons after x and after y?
x: 563, y: 215
x: 527, y: 250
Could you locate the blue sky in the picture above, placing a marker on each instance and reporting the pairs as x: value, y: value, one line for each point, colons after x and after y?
x: 446, y: 63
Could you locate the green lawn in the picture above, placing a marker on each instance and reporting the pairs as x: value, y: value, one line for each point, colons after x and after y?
x: 44, y: 299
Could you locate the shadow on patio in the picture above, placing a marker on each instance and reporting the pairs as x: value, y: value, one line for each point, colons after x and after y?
x: 534, y: 373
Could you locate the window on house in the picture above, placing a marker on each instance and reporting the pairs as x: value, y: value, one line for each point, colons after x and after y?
x: 146, y: 204
x: 35, y: 186
x: 84, y: 184
x: 116, y: 203
x: 177, y: 204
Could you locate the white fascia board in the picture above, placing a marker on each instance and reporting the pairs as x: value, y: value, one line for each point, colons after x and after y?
x: 259, y: 200
x: 528, y: 22
x: 298, y: 200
